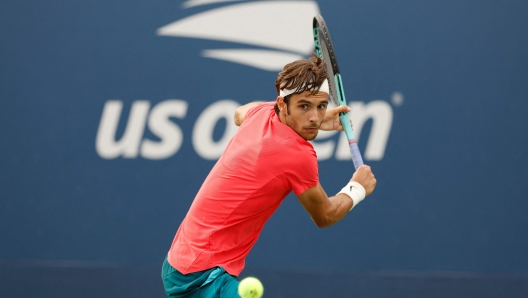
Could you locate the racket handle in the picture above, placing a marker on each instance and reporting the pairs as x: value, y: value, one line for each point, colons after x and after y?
x: 356, y: 155
x: 354, y: 149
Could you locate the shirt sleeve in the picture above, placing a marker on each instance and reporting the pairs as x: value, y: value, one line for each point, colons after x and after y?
x: 304, y: 173
x: 254, y: 110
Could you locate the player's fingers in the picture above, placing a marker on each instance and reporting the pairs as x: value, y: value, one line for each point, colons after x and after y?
x: 364, y: 168
x: 342, y: 109
x: 330, y: 114
x: 335, y: 111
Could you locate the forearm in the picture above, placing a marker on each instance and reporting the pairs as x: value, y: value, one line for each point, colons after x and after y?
x: 326, y: 211
x: 337, y: 208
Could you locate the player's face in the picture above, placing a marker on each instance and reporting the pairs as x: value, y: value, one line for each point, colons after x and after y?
x: 304, y: 113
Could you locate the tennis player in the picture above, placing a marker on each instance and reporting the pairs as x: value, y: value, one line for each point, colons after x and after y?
x: 267, y: 158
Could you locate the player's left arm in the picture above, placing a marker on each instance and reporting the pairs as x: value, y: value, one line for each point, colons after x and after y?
x: 326, y: 211
x: 240, y: 113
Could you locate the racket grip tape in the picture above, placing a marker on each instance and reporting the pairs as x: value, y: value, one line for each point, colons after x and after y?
x: 354, y: 149
x: 356, y: 155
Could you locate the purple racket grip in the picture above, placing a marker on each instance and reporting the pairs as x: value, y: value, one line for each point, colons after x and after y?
x: 356, y: 155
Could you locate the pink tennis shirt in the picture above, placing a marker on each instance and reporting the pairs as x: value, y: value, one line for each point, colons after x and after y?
x: 264, y: 161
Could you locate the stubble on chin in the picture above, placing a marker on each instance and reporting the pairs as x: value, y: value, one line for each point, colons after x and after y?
x: 311, y: 138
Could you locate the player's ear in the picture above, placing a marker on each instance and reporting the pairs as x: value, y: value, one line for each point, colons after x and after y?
x: 280, y: 103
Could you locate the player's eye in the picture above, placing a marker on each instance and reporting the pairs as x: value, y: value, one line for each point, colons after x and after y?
x: 304, y: 107
x: 322, y: 106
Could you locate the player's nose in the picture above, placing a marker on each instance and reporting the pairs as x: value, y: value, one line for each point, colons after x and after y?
x: 314, y: 115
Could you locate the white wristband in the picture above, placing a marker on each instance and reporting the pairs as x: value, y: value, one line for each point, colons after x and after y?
x: 355, y: 191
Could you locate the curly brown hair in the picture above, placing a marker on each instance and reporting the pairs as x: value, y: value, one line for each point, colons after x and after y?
x: 301, y: 75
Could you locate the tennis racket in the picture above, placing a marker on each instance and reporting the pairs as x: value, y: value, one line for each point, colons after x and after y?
x: 325, y: 51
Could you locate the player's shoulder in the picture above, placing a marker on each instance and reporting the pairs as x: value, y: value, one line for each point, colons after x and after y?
x: 299, y: 150
x: 261, y: 108
x: 300, y: 160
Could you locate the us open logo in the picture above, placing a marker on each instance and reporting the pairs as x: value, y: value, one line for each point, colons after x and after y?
x: 253, y: 24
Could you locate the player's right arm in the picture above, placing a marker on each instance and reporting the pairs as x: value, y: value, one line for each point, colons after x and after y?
x: 240, y: 113
x: 326, y: 211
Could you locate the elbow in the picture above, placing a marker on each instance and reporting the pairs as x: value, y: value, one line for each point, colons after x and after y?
x: 321, y: 226
x: 238, y: 117
x: 322, y: 223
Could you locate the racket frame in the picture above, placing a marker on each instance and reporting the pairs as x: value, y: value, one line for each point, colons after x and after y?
x: 337, y: 93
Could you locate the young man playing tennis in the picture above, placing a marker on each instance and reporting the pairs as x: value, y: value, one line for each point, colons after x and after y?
x: 266, y: 159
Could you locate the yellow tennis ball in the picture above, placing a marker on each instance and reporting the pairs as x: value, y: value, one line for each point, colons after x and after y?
x: 250, y: 287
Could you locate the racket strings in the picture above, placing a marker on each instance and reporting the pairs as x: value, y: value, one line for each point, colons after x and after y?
x: 330, y: 66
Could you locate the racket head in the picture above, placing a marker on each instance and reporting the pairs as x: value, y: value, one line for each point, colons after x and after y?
x: 325, y: 50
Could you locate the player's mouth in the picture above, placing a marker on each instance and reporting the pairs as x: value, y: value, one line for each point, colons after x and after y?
x: 309, y: 133
x: 311, y: 128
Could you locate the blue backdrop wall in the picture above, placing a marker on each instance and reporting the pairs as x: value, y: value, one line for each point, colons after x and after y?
x: 113, y: 112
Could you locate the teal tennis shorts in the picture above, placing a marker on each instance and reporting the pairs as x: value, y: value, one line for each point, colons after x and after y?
x: 214, y: 282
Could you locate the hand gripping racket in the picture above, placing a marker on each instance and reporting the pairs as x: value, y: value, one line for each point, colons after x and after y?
x: 325, y: 51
